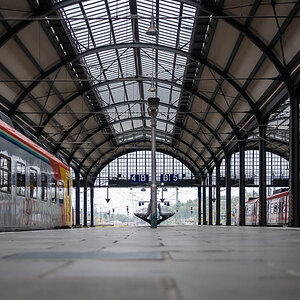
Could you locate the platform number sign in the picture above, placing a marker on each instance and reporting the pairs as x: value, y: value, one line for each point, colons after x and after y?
x: 169, y: 178
x: 139, y: 178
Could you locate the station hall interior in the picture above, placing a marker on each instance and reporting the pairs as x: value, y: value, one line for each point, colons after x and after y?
x: 161, y: 137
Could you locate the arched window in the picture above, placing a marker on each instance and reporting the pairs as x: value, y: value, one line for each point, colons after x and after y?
x: 139, y: 162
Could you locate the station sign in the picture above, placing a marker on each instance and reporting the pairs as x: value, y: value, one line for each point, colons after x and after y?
x: 169, y: 178
x: 139, y: 178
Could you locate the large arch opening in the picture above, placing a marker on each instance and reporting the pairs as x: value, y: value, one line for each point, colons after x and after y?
x: 277, y: 179
x: 122, y: 188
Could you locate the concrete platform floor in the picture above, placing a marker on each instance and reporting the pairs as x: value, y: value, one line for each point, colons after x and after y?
x: 171, y: 262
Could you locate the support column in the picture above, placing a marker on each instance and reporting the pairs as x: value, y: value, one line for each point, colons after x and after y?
x: 77, y: 196
x: 204, y: 201
x: 262, y: 175
x: 152, y: 111
x: 210, y: 210
x: 242, y: 184
x: 92, y: 206
x: 199, y: 204
x: 294, y: 162
x: 228, y: 189
x: 218, y: 195
x: 85, y: 204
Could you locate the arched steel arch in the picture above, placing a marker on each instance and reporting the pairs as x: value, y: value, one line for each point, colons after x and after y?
x: 146, y: 118
x: 131, y: 150
x: 160, y: 133
x: 95, y: 174
x: 73, y: 97
x: 209, y: 7
x: 89, y: 115
x: 138, y: 118
x: 268, y: 149
x: 203, y: 5
x: 136, y: 45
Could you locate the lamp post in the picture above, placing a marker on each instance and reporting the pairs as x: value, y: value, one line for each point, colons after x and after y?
x: 152, y: 111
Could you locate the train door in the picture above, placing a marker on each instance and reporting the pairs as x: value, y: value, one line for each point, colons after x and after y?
x: 22, y: 202
x: 268, y: 212
x: 53, y: 202
x: 254, y: 213
x: 286, y: 209
x: 61, y: 198
x: 68, y: 205
x: 6, y: 205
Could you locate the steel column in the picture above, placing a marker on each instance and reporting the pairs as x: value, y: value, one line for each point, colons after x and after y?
x: 199, y: 204
x: 85, y: 203
x: 294, y: 156
x: 262, y: 175
x: 228, y: 189
x: 204, y: 201
x: 77, y: 196
x: 218, y: 195
x: 153, y: 174
x: 92, y: 205
x: 210, y: 208
x: 242, y: 184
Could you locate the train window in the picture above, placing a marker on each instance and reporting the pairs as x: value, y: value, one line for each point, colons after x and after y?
x: 33, y: 183
x: 275, y: 208
x: 21, y: 179
x: 44, y: 181
x: 53, y: 190
x: 61, y: 192
x: 5, y: 174
x: 272, y: 208
x: 68, y: 181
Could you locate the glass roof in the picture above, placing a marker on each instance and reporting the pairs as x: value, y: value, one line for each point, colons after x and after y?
x: 279, y: 123
x: 126, y: 72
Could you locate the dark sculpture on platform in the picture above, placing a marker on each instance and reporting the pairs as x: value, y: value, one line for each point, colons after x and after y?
x: 145, y: 216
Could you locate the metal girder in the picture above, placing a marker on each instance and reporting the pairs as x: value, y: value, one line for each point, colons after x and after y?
x: 136, y: 45
x: 209, y: 7
x: 229, y: 62
x: 137, y: 52
x: 162, y: 134
x: 142, y: 149
x: 35, y: 16
x: 73, y: 97
x: 206, y: 6
x: 131, y: 150
x: 137, y: 118
x: 89, y: 115
x: 158, y: 133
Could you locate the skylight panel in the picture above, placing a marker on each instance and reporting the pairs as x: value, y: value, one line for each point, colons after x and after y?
x: 144, y: 11
x: 161, y: 125
x: 186, y: 28
x: 148, y: 63
x: 126, y: 57
x: 132, y: 88
x: 165, y: 65
x: 137, y: 123
x: 120, y: 13
x: 168, y: 27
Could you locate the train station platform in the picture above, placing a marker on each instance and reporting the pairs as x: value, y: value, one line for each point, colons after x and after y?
x: 170, y: 262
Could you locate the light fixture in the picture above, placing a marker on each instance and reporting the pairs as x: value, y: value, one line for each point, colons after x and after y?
x: 152, y: 30
x: 152, y: 88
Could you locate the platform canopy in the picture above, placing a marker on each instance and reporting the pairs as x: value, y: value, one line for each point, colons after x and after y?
x: 77, y: 75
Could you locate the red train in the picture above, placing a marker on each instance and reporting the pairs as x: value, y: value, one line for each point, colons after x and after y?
x: 277, y: 210
x: 35, y: 186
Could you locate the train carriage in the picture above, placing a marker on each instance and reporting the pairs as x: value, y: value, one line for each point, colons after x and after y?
x: 35, y: 186
x: 277, y: 210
